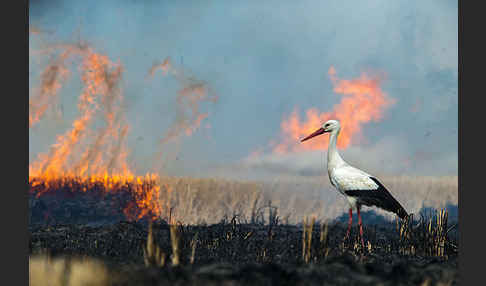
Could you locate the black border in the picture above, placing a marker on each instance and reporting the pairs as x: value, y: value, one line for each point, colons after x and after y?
x: 471, y: 190
x: 15, y: 93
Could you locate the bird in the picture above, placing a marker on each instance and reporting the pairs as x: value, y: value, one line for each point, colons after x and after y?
x: 359, y: 187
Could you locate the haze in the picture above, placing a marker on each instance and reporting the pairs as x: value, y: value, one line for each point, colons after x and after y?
x: 263, y: 60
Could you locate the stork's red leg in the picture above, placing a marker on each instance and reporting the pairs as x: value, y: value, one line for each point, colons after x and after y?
x: 360, y: 226
x: 350, y: 222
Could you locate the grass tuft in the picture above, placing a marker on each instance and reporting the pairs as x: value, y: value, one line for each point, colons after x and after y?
x: 152, y: 253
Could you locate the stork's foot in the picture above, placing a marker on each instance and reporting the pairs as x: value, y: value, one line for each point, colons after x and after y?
x: 345, y: 239
x: 350, y: 222
x: 362, y: 244
x: 360, y: 224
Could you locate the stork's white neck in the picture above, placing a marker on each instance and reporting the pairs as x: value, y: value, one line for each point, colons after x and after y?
x: 333, y: 158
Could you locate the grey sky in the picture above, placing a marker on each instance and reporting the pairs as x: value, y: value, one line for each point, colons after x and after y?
x: 263, y: 59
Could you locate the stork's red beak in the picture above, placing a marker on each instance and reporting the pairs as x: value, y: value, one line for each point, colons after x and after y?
x: 317, y: 132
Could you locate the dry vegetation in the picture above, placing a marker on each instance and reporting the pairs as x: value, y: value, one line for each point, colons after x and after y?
x: 196, y: 201
x: 209, y: 200
x: 44, y: 270
x: 226, y: 232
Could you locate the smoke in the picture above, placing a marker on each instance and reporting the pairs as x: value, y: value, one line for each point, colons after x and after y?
x: 46, y: 95
x: 165, y: 66
x: 389, y: 156
x: 266, y: 61
x: 188, y: 116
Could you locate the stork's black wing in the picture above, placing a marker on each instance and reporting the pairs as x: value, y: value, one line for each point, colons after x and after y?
x: 380, y: 197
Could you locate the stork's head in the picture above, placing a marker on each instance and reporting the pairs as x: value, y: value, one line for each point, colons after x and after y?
x: 329, y: 126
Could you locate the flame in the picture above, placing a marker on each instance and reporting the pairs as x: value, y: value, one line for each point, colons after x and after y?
x: 144, y: 190
x: 93, y: 77
x: 363, y: 101
x: 83, y: 159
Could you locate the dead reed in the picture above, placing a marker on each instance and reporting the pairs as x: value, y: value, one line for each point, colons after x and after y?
x: 324, y: 241
x: 208, y: 200
x: 428, y: 236
x: 152, y: 254
x: 175, y: 239
x: 307, y: 238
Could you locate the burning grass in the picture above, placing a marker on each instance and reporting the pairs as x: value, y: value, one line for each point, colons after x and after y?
x: 208, y: 201
x: 135, y: 197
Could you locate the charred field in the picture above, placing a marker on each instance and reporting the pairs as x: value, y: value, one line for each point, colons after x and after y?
x: 107, y: 238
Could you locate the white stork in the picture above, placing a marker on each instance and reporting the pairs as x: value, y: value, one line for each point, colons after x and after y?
x: 358, y: 187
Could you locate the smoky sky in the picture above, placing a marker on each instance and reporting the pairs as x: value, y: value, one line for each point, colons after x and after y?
x: 264, y: 59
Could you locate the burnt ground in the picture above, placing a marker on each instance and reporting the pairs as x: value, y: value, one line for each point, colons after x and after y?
x: 238, y: 251
x: 230, y: 253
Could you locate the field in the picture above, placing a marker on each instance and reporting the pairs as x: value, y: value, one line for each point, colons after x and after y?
x: 226, y: 232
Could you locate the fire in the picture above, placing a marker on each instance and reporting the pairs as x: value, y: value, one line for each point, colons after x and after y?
x: 83, y: 159
x: 98, y: 81
x: 363, y: 101
x: 143, y: 190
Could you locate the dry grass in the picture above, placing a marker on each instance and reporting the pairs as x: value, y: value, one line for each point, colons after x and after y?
x: 307, y: 239
x: 152, y: 253
x: 429, y: 235
x: 199, y: 201
x: 44, y: 271
x: 287, y: 199
x: 269, y: 207
x: 175, y: 240
x: 324, y: 241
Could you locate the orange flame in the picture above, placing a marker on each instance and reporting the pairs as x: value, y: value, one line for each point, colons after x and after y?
x: 103, y: 161
x: 363, y: 101
x: 93, y: 77
x: 145, y: 190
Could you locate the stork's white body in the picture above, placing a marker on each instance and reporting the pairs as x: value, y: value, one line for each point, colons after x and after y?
x: 345, y: 177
